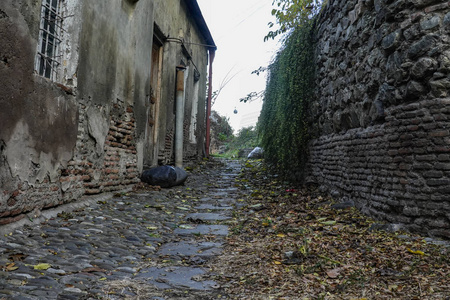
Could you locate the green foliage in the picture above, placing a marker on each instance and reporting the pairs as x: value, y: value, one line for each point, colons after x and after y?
x: 222, y: 137
x: 220, y: 126
x: 290, y: 14
x: 221, y: 132
x: 259, y: 70
x: 246, y: 138
x: 283, y: 123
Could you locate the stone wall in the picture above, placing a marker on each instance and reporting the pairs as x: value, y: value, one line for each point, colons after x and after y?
x: 383, y: 109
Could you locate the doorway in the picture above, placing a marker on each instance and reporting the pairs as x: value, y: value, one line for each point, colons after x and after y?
x: 155, y: 98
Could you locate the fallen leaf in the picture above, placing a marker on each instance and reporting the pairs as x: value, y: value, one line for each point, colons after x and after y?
x: 281, y: 235
x: 52, y: 252
x: 334, y: 273
x: 185, y: 226
x: 11, y: 267
x: 328, y: 222
x: 416, y: 252
x: 17, y: 257
x: 277, y: 262
x: 42, y: 266
x: 393, y: 287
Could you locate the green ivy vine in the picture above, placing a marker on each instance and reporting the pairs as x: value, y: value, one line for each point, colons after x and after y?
x: 291, y: 14
x: 283, y: 123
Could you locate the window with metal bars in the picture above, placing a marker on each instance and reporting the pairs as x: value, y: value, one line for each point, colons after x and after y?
x: 47, y: 59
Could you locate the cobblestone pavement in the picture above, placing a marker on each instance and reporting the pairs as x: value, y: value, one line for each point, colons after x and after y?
x: 142, y: 245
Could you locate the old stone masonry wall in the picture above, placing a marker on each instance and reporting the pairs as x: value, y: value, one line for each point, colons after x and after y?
x: 383, y: 109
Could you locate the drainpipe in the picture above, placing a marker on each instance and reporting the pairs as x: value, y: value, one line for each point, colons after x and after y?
x: 179, y: 117
x: 212, y: 53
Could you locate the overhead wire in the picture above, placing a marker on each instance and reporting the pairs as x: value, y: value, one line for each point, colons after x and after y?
x: 253, y: 12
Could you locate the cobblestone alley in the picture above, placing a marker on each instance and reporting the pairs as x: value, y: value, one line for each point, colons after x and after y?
x: 148, y: 244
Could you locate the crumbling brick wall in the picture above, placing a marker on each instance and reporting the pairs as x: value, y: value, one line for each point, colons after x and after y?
x: 115, y: 169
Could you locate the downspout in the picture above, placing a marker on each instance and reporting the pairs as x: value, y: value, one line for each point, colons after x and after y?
x: 179, y: 118
x: 212, y: 53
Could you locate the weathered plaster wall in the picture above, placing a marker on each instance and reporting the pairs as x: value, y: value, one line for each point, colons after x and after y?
x: 174, y: 20
x: 38, y: 120
x: 113, y: 78
x: 60, y: 142
x: 383, y: 110
x: 88, y: 132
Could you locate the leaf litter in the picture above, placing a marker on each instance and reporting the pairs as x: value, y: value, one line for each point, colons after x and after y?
x: 299, y: 247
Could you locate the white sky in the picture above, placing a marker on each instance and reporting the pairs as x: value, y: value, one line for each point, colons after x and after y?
x: 238, y: 28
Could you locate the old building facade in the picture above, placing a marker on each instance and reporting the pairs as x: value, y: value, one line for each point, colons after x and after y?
x: 88, y: 94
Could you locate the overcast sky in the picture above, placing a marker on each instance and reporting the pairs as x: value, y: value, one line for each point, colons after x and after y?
x: 238, y: 28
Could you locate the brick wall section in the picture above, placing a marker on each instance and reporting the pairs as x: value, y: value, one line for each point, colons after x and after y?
x: 117, y: 169
x: 383, y: 112
x: 27, y: 198
x: 398, y: 171
x: 167, y: 155
x: 87, y: 174
x: 190, y: 151
x: 32, y: 199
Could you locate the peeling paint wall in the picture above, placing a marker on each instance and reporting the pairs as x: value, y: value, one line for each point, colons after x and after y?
x: 87, y: 131
x: 115, y: 73
x: 38, y: 120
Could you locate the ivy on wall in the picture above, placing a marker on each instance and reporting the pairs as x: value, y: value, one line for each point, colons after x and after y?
x: 291, y: 14
x: 283, y: 123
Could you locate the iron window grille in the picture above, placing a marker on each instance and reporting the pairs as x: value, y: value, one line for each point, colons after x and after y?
x: 48, y: 58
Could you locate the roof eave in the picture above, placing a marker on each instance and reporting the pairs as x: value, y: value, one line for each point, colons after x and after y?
x: 201, y: 23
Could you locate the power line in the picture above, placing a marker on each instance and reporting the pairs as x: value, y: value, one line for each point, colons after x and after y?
x: 248, y: 16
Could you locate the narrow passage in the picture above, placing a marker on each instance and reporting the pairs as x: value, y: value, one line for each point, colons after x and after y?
x: 231, y: 232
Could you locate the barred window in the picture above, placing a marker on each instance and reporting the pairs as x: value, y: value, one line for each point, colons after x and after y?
x: 48, y: 58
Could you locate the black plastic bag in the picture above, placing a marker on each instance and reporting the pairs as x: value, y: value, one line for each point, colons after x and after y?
x: 164, y: 176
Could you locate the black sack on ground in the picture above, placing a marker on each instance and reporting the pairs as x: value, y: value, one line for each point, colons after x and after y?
x: 181, y: 176
x: 164, y: 176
